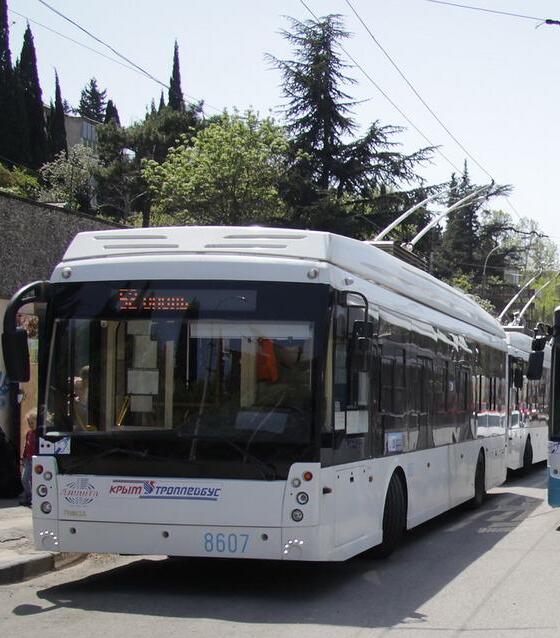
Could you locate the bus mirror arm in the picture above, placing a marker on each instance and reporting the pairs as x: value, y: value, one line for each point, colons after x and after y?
x: 14, y: 338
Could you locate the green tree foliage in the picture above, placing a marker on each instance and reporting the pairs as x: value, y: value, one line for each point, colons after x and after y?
x: 28, y: 83
x: 93, y: 102
x: 465, y: 284
x: 153, y: 137
x: 329, y: 164
x: 122, y: 190
x: 70, y: 179
x: 19, y: 182
x: 112, y: 114
x: 547, y: 300
x: 229, y: 175
x: 175, y: 98
x: 462, y: 249
x: 56, y: 129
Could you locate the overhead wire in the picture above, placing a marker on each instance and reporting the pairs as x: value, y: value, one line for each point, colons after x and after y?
x: 387, y: 97
x: 425, y: 104
x: 495, y: 11
x: 108, y: 46
x: 81, y: 44
x: 413, y: 89
x: 131, y: 65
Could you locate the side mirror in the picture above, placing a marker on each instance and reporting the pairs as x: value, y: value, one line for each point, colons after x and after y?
x: 16, y: 355
x: 535, y: 367
x: 539, y: 343
x: 361, y: 354
x: 362, y: 329
x: 518, y: 378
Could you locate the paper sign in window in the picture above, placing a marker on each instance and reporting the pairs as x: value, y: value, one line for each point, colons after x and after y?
x: 145, y: 352
x: 143, y: 382
x: 356, y: 421
x: 141, y: 403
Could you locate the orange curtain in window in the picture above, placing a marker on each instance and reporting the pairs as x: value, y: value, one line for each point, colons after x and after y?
x: 267, y: 364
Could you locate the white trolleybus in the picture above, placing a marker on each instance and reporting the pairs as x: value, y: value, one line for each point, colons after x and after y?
x: 536, y: 363
x: 255, y: 393
x: 528, y: 405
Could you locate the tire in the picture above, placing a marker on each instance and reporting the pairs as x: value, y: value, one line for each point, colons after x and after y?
x: 528, y: 455
x: 479, y: 483
x: 394, y: 519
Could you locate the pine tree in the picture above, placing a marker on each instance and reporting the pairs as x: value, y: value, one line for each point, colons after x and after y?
x: 56, y: 125
x: 460, y: 238
x: 112, y: 114
x: 327, y: 162
x: 93, y: 102
x: 464, y: 246
x: 161, y: 102
x: 175, y: 98
x: 28, y: 80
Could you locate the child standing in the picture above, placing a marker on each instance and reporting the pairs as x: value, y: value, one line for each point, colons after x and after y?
x: 28, y: 451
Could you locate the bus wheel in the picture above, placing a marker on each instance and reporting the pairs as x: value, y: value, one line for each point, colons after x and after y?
x: 528, y: 455
x: 479, y: 482
x: 394, y: 518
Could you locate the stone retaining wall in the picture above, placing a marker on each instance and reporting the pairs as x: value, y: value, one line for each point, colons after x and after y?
x: 33, y: 238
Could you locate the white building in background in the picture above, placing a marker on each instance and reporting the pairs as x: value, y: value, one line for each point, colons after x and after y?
x: 79, y: 129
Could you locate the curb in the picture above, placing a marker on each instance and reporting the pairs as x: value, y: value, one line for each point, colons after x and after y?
x: 33, y: 565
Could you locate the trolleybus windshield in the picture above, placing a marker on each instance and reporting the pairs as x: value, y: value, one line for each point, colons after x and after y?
x: 185, y: 362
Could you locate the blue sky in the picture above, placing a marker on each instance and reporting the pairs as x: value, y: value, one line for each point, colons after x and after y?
x: 493, y: 80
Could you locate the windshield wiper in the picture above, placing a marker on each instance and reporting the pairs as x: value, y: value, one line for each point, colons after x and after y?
x: 267, y: 469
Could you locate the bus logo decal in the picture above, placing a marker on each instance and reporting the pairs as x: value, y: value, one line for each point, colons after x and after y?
x: 80, y: 492
x: 163, y: 490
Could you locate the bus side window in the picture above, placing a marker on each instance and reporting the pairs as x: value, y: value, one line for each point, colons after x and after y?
x: 387, y: 384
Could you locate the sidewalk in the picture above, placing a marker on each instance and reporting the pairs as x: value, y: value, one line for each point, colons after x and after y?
x: 19, y: 559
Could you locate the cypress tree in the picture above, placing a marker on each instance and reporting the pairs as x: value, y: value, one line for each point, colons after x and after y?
x: 175, y: 98
x: 112, y: 114
x: 13, y: 132
x: 56, y: 127
x: 5, y: 55
x: 28, y: 80
x: 5, y: 79
x: 161, y: 102
x: 93, y: 102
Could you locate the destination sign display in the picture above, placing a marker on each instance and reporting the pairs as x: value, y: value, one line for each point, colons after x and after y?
x: 134, y: 300
x: 148, y: 299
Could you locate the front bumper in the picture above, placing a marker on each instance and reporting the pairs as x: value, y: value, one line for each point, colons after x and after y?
x: 179, y: 540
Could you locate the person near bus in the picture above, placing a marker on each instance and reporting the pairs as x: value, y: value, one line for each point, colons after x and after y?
x: 29, y: 450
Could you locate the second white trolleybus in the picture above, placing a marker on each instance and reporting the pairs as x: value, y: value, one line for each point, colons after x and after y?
x: 528, y: 407
x: 255, y: 393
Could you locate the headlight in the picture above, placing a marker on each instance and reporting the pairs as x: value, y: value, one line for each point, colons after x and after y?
x: 297, y: 515
x: 42, y: 490
x: 46, y: 508
x: 302, y: 498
